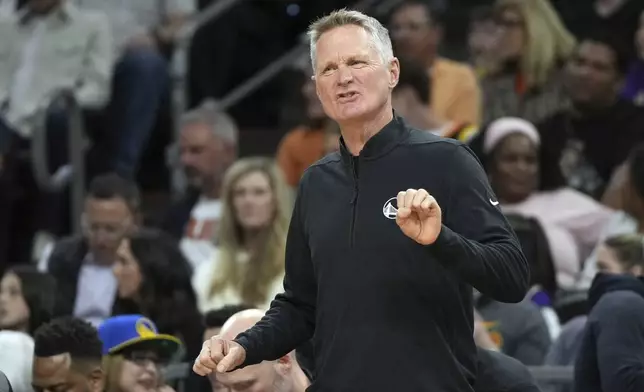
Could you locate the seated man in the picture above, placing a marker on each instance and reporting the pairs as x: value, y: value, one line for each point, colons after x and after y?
x: 284, y: 374
x: 48, y: 45
x: 67, y: 357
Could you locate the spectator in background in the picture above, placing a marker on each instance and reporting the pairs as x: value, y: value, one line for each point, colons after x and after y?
x: 208, y: 146
x: 518, y: 330
x: 82, y: 265
x: 16, y: 359
x: 411, y: 98
x: 416, y: 31
x: 303, y: 146
x: 481, y: 40
x: 135, y: 353
x: 248, y: 266
x: 26, y: 299
x: 528, y: 182
x: 153, y: 279
x: 629, y: 220
x: 617, y: 16
x: 532, y: 46
x: 215, y: 319
x: 634, y: 85
x: 283, y: 374
x: 48, y: 45
x: 611, y: 354
x: 67, y: 356
x: 623, y: 254
x: 595, y: 135
x: 144, y: 32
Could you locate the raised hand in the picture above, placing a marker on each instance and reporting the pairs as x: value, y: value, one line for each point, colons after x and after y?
x: 219, y: 355
x: 419, y: 216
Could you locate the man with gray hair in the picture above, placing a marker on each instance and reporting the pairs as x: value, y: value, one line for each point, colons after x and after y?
x: 207, y: 147
x: 378, y: 271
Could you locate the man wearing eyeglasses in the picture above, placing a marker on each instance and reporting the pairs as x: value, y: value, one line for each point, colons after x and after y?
x: 82, y: 265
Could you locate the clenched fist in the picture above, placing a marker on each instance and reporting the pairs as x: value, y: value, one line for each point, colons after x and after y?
x: 219, y: 355
x: 419, y: 216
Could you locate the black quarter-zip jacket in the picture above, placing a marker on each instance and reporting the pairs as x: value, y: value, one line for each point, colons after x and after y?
x: 386, y: 313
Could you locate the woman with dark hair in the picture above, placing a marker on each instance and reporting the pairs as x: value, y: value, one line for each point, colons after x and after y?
x: 154, y: 280
x: 530, y: 184
x: 26, y: 299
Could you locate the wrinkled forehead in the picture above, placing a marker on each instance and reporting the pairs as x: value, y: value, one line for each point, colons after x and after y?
x: 342, y: 43
x: 51, y: 370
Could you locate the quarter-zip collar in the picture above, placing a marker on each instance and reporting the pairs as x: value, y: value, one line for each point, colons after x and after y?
x: 379, y: 144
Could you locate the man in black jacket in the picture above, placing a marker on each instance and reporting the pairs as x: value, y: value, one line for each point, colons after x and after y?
x: 377, y: 272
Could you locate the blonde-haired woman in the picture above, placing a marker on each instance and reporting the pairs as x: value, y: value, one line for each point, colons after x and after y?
x: 531, y: 47
x: 248, y: 266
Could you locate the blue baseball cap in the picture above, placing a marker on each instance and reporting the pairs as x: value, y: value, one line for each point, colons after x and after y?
x: 134, y: 331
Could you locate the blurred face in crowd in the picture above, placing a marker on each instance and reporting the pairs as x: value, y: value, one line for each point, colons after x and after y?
x: 352, y: 82
x: 204, y: 156
x: 60, y: 373
x: 106, y: 222
x: 127, y: 271
x: 592, y: 77
x: 263, y: 377
x: 514, y: 174
x: 608, y: 262
x: 43, y: 6
x: 314, y: 109
x: 639, y: 37
x: 414, y: 34
x: 511, y: 34
x: 140, y: 372
x: 253, y: 201
x: 14, y: 312
x: 482, y: 37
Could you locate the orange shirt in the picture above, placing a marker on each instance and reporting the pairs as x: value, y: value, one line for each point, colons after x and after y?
x: 456, y: 95
x: 299, y: 149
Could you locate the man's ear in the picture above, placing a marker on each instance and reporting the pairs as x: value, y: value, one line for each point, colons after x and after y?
x: 96, y: 380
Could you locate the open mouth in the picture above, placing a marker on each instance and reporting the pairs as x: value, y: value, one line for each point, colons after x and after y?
x: 348, y: 96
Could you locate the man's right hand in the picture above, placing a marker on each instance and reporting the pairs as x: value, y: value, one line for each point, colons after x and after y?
x: 219, y: 355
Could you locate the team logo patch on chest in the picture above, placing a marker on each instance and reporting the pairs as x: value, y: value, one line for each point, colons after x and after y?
x: 390, y: 209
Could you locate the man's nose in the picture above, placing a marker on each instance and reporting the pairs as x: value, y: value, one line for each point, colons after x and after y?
x: 345, y: 76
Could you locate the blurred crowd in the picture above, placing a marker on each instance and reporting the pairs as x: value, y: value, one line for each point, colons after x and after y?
x: 548, y: 94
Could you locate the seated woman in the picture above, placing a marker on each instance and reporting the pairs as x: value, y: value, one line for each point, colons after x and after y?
x: 517, y: 167
x: 249, y: 264
x: 154, y: 280
x: 135, y: 354
x: 26, y: 299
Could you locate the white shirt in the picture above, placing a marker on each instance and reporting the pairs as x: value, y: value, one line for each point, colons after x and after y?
x: 198, y: 242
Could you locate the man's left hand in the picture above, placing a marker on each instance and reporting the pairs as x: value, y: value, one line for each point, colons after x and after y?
x: 419, y: 216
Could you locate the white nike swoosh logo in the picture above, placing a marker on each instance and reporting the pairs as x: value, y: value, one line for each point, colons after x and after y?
x: 494, y: 202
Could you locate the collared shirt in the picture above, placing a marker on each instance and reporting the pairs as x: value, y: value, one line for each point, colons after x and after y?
x: 95, y: 292
x: 130, y: 18
x: 67, y: 48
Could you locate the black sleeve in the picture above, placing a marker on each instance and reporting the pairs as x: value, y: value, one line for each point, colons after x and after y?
x: 617, y: 323
x: 476, y: 241
x: 290, y: 321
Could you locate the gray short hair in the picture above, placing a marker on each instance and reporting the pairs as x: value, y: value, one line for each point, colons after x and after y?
x: 378, y: 33
x: 221, y: 124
